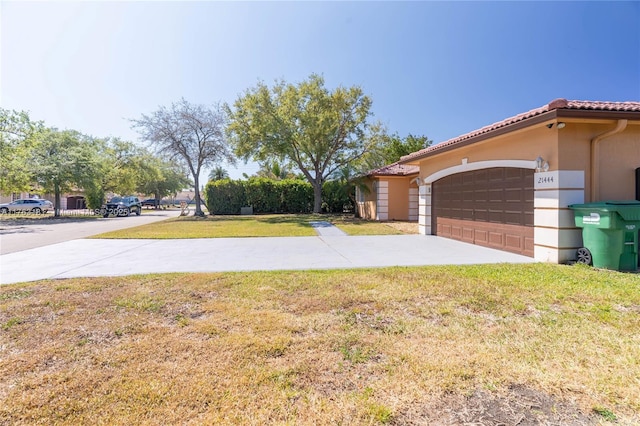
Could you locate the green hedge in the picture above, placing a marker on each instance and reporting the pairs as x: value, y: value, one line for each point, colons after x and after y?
x: 225, y: 196
x: 263, y: 195
x: 297, y: 196
x: 272, y: 196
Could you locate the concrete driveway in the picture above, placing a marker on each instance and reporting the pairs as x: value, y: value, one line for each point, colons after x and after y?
x: 91, y: 258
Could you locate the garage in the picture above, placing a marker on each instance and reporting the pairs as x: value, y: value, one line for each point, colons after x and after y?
x: 491, y: 207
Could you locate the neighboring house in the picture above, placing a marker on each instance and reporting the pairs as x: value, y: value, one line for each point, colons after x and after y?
x: 70, y: 201
x: 7, y: 198
x: 187, y: 195
x: 391, y: 193
x: 508, y: 185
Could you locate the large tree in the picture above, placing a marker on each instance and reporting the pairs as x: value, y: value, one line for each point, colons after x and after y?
x: 119, y: 167
x: 389, y: 149
x: 192, y: 134
x: 316, y: 130
x: 17, y: 140
x: 63, y: 161
x: 161, y: 178
x: 394, y: 147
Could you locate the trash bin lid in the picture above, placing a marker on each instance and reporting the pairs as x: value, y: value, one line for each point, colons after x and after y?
x: 628, y: 209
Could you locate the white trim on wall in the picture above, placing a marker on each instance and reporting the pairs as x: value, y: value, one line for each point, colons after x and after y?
x: 424, y: 209
x: 413, y: 204
x: 382, y: 200
x: 479, y: 165
x: 556, y: 237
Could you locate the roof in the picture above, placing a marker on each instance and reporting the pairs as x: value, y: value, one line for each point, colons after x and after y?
x: 555, y: 105
x: 395, y: 169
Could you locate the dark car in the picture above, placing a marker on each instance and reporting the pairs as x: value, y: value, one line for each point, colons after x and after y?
x: 122, y: 206
x: 151, y: 202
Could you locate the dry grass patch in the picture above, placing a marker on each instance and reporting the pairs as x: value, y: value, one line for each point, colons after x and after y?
x: 356, y: 226
x: 507, y: 344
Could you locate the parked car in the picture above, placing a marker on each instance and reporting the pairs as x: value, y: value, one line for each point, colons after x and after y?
x: 151, y: 202
x: 31, y: 205
x: 122, y: 206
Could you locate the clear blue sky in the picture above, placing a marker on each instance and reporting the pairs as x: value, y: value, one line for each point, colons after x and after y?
x: 438, y: 69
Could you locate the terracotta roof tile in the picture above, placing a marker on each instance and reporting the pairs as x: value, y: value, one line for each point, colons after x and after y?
x: 395, y: 169
x: 560, y: 103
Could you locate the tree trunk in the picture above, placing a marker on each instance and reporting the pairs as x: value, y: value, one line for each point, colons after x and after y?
x: 56, y: 190
x: 317, y: 196
x: 198, y: 211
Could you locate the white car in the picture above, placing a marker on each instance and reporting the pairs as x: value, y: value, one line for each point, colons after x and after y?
x: 32, y: 205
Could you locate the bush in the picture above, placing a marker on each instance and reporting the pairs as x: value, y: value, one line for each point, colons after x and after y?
x: 272, y: 196
x: 335, y: 197
x: 225, y: 196
x: 296, y: 195
x: 94, y: 197
x: 263, y: 195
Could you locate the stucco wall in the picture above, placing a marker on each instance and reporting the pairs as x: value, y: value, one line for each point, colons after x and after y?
x: 527, y: 144
x: 618, y: 157
x: 399, y: 197
x: 564, y: 149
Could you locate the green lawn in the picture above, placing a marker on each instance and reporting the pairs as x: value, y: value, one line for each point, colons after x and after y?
x: 490, y: 344
x: 247, y: 226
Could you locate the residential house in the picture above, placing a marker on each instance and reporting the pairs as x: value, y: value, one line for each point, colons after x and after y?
x: 389, y: 193
x: 508, y: 185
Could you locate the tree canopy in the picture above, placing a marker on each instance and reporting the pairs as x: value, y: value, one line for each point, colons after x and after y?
x: 17, y: 139
x: 161, y: 177
x: 63, y: 160
x: 394, y: 146
x: 315, y: 130
x: 218, y: 173
x: 274, y: 170
x: 194, y: 135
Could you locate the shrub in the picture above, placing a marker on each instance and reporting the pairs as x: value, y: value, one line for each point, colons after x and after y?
x: 225, y: 196
x: 335, y: 197
x: 263, y: 195
x: 94, y: 197
x: 296, y: 195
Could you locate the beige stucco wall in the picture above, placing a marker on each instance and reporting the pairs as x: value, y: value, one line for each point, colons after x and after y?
x: 564, y: 149
x: 527, y: 144
x: 399, y: 196
x: 618, y: 157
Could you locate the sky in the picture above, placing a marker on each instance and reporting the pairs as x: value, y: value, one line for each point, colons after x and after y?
x: 439, y: 69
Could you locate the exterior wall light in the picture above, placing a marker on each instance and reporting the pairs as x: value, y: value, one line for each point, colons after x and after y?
x: 541, y: 165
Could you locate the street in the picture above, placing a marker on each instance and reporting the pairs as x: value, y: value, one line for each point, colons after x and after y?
x: 23, y: 234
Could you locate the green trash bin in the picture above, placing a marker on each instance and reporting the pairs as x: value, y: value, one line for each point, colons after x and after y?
x: 609, y: 234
